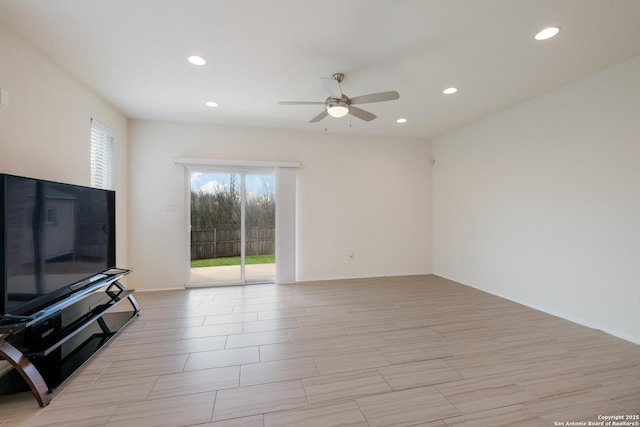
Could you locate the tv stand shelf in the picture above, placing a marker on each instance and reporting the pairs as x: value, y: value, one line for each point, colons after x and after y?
x: 47, y: 346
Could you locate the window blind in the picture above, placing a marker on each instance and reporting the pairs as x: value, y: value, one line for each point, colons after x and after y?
x: 285, y: 225
x: 101, y: 156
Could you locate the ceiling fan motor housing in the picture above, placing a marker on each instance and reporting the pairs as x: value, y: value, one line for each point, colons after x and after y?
x: 335, y: 102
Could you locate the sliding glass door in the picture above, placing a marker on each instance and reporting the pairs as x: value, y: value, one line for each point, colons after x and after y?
x: 232, y: 227
x: 259, y: 228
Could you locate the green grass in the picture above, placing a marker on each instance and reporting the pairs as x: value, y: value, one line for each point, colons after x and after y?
x: 235, y: 260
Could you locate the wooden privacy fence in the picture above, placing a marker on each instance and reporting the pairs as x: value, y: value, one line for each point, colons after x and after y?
x: 224, y: 241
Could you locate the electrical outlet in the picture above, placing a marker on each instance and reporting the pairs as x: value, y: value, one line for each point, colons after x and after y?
x: 4, y: 96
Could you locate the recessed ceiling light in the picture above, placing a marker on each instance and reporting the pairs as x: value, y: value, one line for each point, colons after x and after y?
x: 401, y: 120
x: 211, y: 104
x: 197, y: 60
x: 450, y: 90
x: 547, y: 33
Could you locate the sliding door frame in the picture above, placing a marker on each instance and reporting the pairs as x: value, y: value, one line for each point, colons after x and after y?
x: 285, y: 178
x: 242, y: 174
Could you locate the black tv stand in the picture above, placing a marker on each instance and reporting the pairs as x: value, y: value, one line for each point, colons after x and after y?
x: 45, y: 347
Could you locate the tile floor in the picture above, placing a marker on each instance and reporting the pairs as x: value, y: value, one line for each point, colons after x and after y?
x: 396, y: 351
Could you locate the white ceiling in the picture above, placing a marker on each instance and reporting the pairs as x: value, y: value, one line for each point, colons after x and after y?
x: 133, y: 53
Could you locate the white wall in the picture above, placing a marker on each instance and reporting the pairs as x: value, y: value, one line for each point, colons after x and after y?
x: 541, y: 203
x: 366, y: 195
x: 45, y: 129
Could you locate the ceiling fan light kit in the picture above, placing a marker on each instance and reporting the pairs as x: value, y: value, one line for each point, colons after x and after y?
x: 339, y: 105
x: 337, y: 108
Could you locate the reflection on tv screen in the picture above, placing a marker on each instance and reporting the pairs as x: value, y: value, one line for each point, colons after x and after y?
x: 56, y: 235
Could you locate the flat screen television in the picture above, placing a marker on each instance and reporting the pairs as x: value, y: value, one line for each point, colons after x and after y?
x: 54, y: 238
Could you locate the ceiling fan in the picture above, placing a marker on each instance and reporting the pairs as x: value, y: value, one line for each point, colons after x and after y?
x: 339, y: 105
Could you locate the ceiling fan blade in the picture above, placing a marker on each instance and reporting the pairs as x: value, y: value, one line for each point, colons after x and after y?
x: 361, y: 114
x: 319, y: 117
x: 332, y: 86
x: 300, y: 103
x: 375, y: 97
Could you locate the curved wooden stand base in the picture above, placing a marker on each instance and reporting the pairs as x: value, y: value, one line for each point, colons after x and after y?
x: 45, y: 349
x: 27, y: 371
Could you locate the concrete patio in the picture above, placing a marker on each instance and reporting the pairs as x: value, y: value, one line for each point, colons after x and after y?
x: 231, y: 273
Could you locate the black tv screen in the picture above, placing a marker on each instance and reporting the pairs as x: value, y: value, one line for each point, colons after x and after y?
x: 54, y: 236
